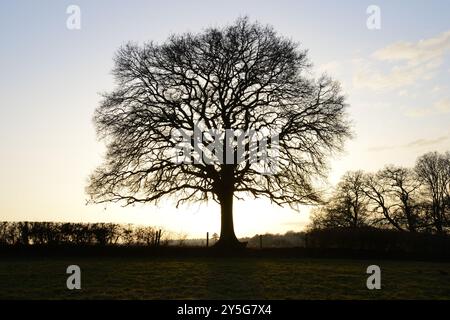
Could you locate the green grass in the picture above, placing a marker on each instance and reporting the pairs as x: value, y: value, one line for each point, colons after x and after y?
x: 221, y: 278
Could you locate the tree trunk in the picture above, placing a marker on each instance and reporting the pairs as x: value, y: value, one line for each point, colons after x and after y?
x: 227, y: 237
x: 411, y: 220
x: 437, y: 217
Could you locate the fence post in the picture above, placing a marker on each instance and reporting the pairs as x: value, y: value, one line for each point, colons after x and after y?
x: 260, y: 241
x: 159, y: 237
x: 207, y: 239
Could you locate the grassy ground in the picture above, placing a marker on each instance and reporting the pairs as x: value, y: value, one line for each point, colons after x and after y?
x: 221, y: 278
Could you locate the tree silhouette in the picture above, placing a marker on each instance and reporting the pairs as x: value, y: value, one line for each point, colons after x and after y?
x: 347, y: 206
x: 393, y: 193
x: 242, y: 77
x: 433, y: 170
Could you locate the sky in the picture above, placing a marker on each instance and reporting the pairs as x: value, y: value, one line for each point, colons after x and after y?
x: 396, y: 79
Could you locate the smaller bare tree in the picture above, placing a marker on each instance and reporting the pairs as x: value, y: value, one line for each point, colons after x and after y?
x: 433, y: 170
x: 347, y: 207
x: 392, y: 193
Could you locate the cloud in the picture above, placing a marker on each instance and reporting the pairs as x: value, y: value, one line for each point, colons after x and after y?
x: 438, y: 108
x: 437, y: 89
x: 425, y: 142
x: 416, y: 53
x: 402, y: 64
x: 443, y: 106
x: 413, y: 144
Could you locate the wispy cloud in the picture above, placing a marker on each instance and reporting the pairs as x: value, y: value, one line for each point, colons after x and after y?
x: 406, y: 63
x: 441, y: 106
x: 425, y: 142
x: 413, y: 144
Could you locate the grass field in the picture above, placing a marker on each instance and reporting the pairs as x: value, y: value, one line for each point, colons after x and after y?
x: 221, y: 278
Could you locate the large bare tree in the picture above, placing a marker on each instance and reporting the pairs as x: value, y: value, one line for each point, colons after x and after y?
x: 241, y: 77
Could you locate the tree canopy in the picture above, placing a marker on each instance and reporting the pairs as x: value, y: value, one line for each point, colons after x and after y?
x: 243, y: 77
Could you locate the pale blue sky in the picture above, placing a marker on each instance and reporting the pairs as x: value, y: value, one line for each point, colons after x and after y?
x: 396, y: 80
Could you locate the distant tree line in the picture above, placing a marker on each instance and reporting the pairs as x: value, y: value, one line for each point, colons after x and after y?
x: 415, y: 200
x: 269, y: 240
x: 289, y: 239
x: 54, y: 233
x: 383, y: 241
